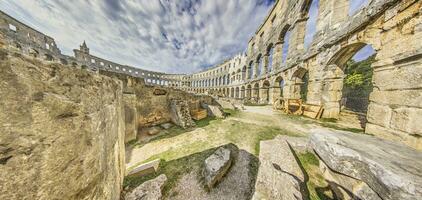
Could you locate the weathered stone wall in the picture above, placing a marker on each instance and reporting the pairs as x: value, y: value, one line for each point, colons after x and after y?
x: 61, y: 133
x: 152, y: 103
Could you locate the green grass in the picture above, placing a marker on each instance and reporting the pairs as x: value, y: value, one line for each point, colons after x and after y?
x: 255, y: 104
x: 205, y: 122
x: 173, y: 169
x: 317, y: 186
x: 231, y: 112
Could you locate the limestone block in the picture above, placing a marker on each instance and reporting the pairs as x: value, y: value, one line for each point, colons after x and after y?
x: 407, y: 120
x: 149, y: 190
x: 145, y: 169
x: 399, y: 78
x: 279, y: 175
x: 131, y: 117
x: 392, y: 170
x: 394, y: 135
x: 346, y: 187
x: 379, y: 114
x: 216, y: 166
x: 411, y: 98
x: 62, y: 132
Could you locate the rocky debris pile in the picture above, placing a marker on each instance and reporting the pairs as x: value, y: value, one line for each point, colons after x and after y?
x: 180, y: 114
x: 367, y: 167
x: 149, y: 190
x: 216, y: 166
x: 279, y: 174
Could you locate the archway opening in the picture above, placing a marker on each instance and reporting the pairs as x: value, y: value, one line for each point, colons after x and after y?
x: 265, y: 92
x: 299, y: 88
x: 255, y: 92
x: 278, y: 88
x: 352, y: 82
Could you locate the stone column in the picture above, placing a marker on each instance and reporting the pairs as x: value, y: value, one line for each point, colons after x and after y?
x: 278, y: 54
x: 255, y: 70
x: 332, y: 92
x: 297, y: 39
x: 265, y: 63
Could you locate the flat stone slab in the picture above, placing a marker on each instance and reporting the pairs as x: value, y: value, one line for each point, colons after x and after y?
x: 216, y: 166
x: 279, y: 174
x: 393, y: 171
x: 145, y: 169
x: 299, y: 144
x: 149, y: 190
x: 166, y: 125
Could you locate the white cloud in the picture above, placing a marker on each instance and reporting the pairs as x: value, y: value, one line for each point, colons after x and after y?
x: 161, y: 35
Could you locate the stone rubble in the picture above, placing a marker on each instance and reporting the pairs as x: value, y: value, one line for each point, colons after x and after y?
x: 180, y: 114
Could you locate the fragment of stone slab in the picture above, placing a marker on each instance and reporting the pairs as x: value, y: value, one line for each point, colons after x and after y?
x: 149, y: 190
x: 392, y: 170
x: 215, y: 111
x: 299, y: 144
x: 145, y: 169
x: 166, y: 125
x: 346, y: 187
x: 216, y: 166
x: 279, y: 174
x: 226, y: 104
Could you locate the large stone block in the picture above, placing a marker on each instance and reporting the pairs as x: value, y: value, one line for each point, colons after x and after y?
x: 379, y: 114
x: 279, y: 175
x: 411, y: 98
x: 399, y: 78
x: 392, y: 170
x: 62, y: 132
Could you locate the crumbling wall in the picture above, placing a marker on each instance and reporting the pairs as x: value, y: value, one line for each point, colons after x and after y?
x: 61, y: 133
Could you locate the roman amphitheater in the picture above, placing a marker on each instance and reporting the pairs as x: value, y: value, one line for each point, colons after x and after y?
x: 278, y: 121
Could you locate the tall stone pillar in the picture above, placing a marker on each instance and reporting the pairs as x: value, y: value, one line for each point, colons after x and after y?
x: 255, y: 69
x: 277, y: 57
x: 332, y: 92
x: 297, y: 39
x: 265, y: 65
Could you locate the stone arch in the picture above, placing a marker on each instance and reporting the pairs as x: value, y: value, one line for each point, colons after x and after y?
x: 265, y: 92
x: 299, y: 87
x: 237, y: 92
x: 250, y: 70
x: 244, y: 72
x: 242, y: 92
x: 258, y: 66
x: 283, y: 33
x: 270, y: 56
x: 248, y: 92
x: 335, y: 95
x: 232, y: 92
x: 255, y: 92
x: 278, y: 85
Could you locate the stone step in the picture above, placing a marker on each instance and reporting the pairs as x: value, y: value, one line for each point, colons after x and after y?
x: 279, y: 175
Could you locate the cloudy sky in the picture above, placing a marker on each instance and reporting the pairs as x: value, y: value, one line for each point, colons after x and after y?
x: 173, y: 36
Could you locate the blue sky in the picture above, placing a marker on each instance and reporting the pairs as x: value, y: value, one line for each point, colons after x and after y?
x: 180, y: 36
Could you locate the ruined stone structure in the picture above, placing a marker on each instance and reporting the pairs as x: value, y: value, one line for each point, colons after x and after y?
x: 393, y: 28
x: 32, y: 42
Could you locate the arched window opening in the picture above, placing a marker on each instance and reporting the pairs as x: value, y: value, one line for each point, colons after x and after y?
x: 311, y: 24
x: 285, y: 48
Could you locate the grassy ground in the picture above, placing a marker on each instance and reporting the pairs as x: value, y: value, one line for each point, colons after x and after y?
x: 317, y: 186
x: 173, y: 169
